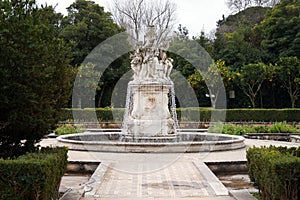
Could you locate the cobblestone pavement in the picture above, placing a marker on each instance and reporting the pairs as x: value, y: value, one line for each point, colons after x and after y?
x: 182, y: 179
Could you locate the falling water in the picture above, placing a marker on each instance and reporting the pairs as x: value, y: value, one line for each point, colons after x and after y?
x: 128, y: 107
x: 173, y: 105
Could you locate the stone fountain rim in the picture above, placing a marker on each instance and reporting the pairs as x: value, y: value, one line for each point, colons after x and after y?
x: 233, y: 139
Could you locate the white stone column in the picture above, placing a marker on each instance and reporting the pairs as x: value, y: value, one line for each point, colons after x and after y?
x: 150, y: 115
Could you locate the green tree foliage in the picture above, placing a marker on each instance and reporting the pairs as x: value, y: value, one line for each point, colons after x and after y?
x: 197, y: 81
x: 205, y: 42
x: 288, y: 72
x: 88, y: 81
x: 86, y: 25
x: 251, y: 78
x: 237, y: 42
x: 240, y: 49
x: 110, y: 78
x: 207, y: 83
x: 249, y: 37
x: 281, y: 30
x: 35, y: 75
x: 183, y: 45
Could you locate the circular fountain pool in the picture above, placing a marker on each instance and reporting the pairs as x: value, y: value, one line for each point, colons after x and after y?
x: 192, y: 140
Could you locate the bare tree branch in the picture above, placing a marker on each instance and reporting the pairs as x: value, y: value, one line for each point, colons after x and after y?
x: 137, y: 15
x: 239, y: 5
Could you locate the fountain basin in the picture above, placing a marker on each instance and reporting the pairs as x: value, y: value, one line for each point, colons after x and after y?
x: 188, y: 141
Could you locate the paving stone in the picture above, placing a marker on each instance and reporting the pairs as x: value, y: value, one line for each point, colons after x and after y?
x: 181, y: 179
x: 174, y: 180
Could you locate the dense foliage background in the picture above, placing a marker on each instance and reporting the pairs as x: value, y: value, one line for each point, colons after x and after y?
x: 257, y: 52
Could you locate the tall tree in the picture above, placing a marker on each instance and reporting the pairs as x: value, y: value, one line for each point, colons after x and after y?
x: 251, y: 78
x: 87, y: 25
x: 137, y: 15
x: 237, y: 41
x: 87, y: 77
x: 288, y: 72
x: 239, y: 48
x: 35, y: 75
x: 205, y: 42
x: 207, y: 82
x: 281, y: 30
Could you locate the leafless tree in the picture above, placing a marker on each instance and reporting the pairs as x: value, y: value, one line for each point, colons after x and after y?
x: 261, y: 2
x: 266, y: 3
x: 137, y: 15
x: 272, y: 3
x: 239, y: 5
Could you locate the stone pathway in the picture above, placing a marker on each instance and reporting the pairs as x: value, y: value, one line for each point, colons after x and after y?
x: 168, y: 182
x: 131, y: 177
x: 181, y: 179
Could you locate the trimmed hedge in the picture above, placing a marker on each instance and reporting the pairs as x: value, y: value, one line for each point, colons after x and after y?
x: 276, y: 171
x: 189, y: 114
x: 64, y: 130
x: 231, y: 129
x: 33, y: 176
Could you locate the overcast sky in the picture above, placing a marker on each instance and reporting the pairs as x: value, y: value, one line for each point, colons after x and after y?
x: 195, y: 15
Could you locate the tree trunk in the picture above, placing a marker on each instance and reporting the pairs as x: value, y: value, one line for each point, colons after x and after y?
x: 101, y: 95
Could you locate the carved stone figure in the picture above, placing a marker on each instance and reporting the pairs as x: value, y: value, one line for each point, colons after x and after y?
x: 168, y: 68
x: 149, y: 63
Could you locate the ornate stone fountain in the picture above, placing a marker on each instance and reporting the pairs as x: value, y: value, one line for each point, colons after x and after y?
x: 150, y: 113
x: 150, y: 120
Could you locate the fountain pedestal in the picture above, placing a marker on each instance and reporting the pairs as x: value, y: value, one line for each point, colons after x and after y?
x: 148, y: 114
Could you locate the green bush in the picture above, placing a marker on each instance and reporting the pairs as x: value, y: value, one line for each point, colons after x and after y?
x: 260, y: 129
x: 64, y: 130
x: 282, y: 127
x: 276, y: 171
x: 33, y: 176
x: 279, y: 127
x: 93, y: 115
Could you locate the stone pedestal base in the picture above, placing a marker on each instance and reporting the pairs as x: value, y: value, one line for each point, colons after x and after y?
x: 154, y: 139
x: 140, y: 127
x: 149, y: 114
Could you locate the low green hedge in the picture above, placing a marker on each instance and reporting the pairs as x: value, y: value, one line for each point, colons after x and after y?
x: 276, y: 171
x: 189, y: 114
x: 231, y: 129
x: 92, y: 115
x: 34, y: 176
x: 64, y: 130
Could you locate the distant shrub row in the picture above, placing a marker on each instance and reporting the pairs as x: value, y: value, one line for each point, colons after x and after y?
x: 276, y: 171
x: 278, y: 127
x: 33, y: 176
x: 189, y: 114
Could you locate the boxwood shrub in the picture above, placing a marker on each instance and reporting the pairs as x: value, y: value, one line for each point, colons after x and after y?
x: 33, y: 176
x: 189, y: 114
x: 64, y: 130
x: 276, y: 171
x: 231, y: 129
